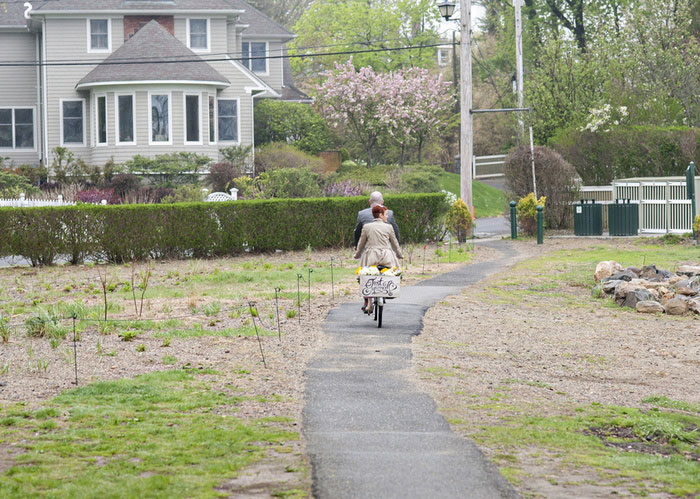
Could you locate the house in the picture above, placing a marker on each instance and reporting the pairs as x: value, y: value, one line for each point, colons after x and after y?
x: 114, y: 78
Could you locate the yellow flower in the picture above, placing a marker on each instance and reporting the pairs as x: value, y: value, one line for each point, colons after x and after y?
x: 358, y: 270
x: 383, y: 270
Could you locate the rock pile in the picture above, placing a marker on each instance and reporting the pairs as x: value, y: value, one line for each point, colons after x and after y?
x: 651, y: 290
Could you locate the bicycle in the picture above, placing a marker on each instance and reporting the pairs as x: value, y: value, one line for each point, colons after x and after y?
x: 379, y: 288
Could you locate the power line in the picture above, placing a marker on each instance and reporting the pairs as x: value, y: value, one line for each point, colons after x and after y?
x: 172, y: 60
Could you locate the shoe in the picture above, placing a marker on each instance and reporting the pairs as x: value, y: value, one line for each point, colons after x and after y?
x: 364, y: 308
x: 369, y: 309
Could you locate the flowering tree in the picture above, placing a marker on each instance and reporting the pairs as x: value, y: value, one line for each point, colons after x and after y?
x: 407, y: 104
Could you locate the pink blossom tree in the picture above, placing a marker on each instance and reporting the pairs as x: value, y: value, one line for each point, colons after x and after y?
x: 407, y: 104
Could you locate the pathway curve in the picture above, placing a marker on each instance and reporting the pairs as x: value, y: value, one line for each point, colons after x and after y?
x: 370, y: 433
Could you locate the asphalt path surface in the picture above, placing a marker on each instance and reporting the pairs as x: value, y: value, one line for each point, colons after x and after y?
x: 370, y: 432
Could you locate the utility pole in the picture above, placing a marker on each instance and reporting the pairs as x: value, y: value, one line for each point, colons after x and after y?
x: 517, y: 5
x: 466, y: 147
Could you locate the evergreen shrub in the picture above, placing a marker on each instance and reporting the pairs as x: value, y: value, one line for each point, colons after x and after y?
x: 122, y: 233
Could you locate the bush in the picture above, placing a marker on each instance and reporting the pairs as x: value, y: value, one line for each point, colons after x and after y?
x: 277, y: 155
x: 527, y: 213
x: 124, y: 183
x: 289, y: 183
x: 556, y: 181
x: 459, y: 220
x: 122, y: 233
x: 170, y: 169
x: 12, y: 185
x: 96, y: 196
x: 627, y: 152
x: 292, y: 123
x: 344, y: 188
x: 184, y: 194
x: 419, y: 178
x: 221, y: 176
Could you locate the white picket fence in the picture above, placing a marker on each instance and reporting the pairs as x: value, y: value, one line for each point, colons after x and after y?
x: 663, y: 204
x: 23, y: 202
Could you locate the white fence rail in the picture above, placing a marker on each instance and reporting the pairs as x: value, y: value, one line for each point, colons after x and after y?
x: 663, y: 204
x: 23, y: 202
x: 488, y: 166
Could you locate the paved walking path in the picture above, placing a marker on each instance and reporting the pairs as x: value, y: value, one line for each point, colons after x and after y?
x: 370, y: 432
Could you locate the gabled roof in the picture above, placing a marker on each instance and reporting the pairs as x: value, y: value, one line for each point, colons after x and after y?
x: 143, y: 54
x: 135, y: 5
x: 258, y: 23
x: 12, y: 13
x: 289, y: 92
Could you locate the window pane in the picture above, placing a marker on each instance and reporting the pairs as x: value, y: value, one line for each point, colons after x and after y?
x: 245, y: 54
x: 99, y: 37
x: 24, y: 128
x: 6, y: 128
x: 258, y: 50
x: 102, y: 120
x: 228, y: 120
x: 73, y: 122
x: 159, y: 118
x: 198, y: 33
x: 212, y: 136
x: 6, y: 117
x: 126, y: 118
x: 192, y: 117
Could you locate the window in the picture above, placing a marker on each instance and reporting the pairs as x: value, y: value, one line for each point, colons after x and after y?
x: 125, y: 114
x: 99, y: 39
x: 160, y: 118
x: 17, y: 128
x: 192, y: 118
x: 228, y: 120
x: 198, y: 37
x: 102, y: 120
x: 254, y: 54
x: 212, y: 122
x: 72, y: 121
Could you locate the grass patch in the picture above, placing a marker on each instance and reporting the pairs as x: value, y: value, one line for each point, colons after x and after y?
x: 157, y: 435
x: 488, y: 201
x: 198, y: 331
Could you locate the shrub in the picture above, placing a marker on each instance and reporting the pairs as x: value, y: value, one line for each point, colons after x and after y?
x: 344, y: 188
x: 289, y: 183
x: 36, y: 175
x: 459, y: 220
x: 278, y: 155
x: 12, y: 185
x: 625, y: 152
x: 184, y: 194
x: 556, y: 181
x: 170, y: 169
x: 527, y: 213
x: 124, y: 183
x: 221, y: 176
x: 96, y: 196
x: 419, y: 178
x: 696, y: 227
x: 292, y: 123
x: 45, y: 324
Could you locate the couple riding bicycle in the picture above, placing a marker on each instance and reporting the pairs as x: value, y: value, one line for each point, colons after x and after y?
x: 376, y: 239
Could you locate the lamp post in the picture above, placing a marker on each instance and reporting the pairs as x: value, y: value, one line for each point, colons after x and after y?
x: 466, y: 145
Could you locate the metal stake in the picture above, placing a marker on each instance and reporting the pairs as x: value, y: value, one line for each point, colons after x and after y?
x: 310, y: 270
x: 252, y: 316
x: 299, y: 278
x: 332, y: 288
x: 277, y: 308
x: 75, y: 351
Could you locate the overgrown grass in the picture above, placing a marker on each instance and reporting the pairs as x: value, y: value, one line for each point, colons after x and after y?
x: 164, y: 434
x: 488, y: 201
x: 647, y: 446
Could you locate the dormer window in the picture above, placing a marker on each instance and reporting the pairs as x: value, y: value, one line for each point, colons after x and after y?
x: 198, y: 34
x: 99, y: 35
x: 254, y: 56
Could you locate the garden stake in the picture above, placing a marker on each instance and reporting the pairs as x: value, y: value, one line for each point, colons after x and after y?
x: 252, y: 316
x: 449, y: 251
x: 425, y: 247
x: 299, y: 298
x: 332, y: 288
x: 277, y: 308
x: 75, y: 352
x: 310, y: 270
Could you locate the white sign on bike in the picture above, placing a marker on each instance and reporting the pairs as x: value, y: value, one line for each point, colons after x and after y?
x: 380, y: 285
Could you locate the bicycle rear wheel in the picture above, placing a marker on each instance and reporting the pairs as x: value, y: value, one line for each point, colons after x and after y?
x: 380, y: 310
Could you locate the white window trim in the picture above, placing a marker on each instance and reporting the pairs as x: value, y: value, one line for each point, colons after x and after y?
x: 97, y: 121
x: 152, y: 142
x: 214, y: 121
x: 238, y: 121
x: 89, y: 36
x: 199, y: 118
x: 267, y: 60
x: 116, y: 117
x: 200, y: 50
x: 71, y: 144
x: 13, y: 124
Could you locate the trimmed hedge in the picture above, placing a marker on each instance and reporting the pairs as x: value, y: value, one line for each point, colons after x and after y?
x: 625, y: 152
x: 122, y: 233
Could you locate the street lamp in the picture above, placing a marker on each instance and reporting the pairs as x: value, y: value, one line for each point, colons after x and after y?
x: 466, y: 144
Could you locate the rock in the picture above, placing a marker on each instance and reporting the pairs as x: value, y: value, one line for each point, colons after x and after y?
x: 609, y: 286
x: 635, y: 296
x: 606, y: 269
x: 649, y: 307
x: 686, y: 291
x: 694, y: 306
x: 624, y: 275
x: 689, y: 270
x: 674, y: 279
x: 635, y: 270
x: 648, y: 271
x: 676, y: 306
x: 665, y: 298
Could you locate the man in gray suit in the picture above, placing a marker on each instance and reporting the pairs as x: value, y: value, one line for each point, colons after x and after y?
x: 365, y: 216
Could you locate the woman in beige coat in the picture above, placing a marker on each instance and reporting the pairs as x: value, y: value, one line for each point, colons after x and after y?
x: 378, y: 245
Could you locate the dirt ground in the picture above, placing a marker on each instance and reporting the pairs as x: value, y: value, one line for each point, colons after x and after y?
x: 545, y: 356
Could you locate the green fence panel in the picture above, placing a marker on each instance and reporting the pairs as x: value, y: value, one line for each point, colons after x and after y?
x: 588, y: 218
x: 623, y: 218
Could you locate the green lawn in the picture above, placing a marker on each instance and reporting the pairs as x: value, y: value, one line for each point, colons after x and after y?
x: 488, y: 201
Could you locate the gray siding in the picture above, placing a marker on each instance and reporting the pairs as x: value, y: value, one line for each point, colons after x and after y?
x: 19, y: 87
